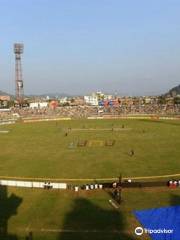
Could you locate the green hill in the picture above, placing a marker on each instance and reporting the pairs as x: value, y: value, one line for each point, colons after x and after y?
x: 174, y: 91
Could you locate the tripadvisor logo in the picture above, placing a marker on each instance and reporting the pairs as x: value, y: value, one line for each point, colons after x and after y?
x: 139, y: 231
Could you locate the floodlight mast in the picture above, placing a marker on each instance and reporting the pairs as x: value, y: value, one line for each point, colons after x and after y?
x: 18, y: 50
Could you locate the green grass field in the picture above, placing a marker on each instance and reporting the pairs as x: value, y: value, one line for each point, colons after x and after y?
x: 43, y: 150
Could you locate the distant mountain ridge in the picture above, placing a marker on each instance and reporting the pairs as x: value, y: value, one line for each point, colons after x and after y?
x: 51, y: 95
x: 174, y: 91
x: 2, y: 93
x: 43, y: 95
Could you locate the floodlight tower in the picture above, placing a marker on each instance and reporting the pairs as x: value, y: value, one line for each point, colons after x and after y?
x: 18, y: 50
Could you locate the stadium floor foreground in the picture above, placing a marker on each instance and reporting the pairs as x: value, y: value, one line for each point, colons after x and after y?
x: 44, y: 150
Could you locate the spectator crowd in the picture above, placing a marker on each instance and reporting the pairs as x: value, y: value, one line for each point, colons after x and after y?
x: 91, y: 111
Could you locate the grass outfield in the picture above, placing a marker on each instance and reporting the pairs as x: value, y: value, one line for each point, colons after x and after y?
x: 58, y: 215
x: 42, y: 150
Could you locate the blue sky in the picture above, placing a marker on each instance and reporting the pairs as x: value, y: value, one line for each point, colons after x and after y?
x: 78, y: 46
